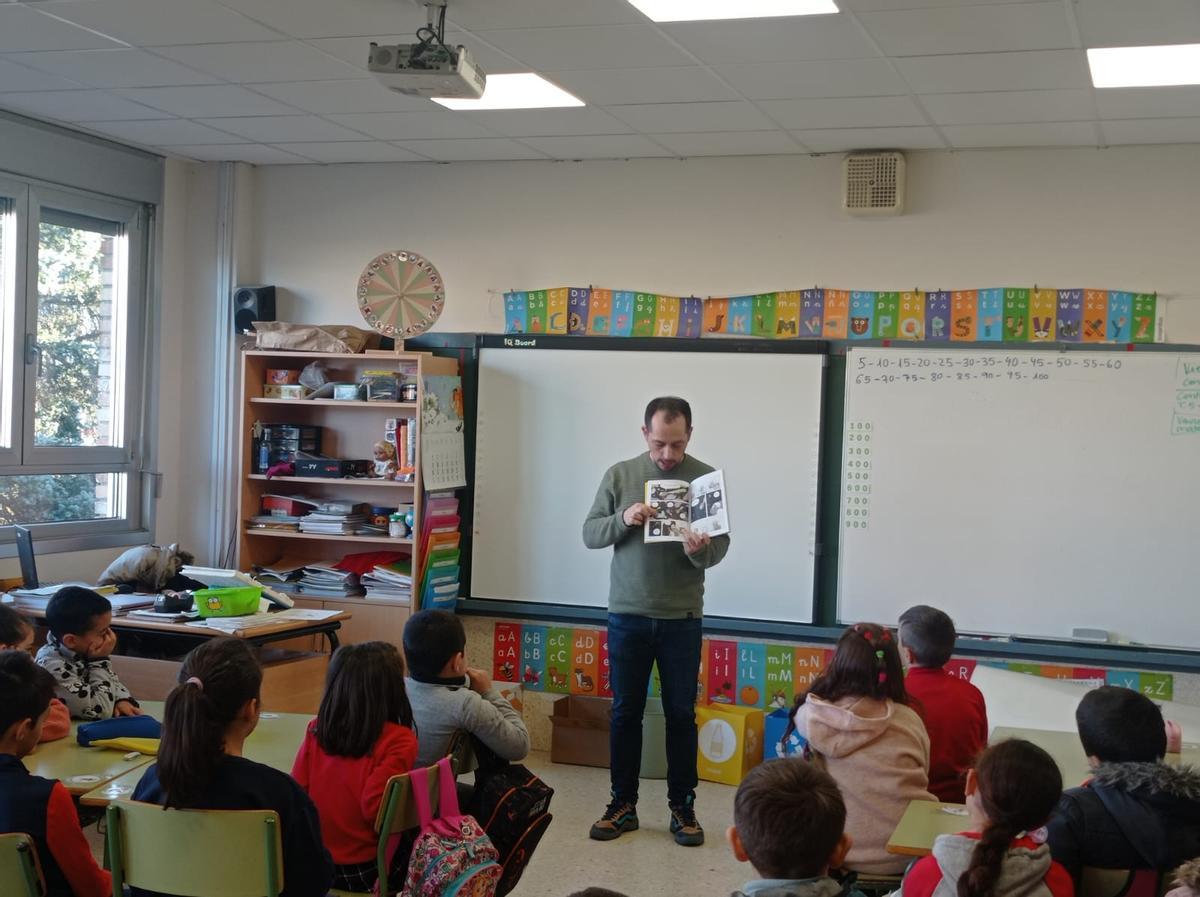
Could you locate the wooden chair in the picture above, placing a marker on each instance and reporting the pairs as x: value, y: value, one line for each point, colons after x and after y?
x: 194, y: 853
x: 20, y: 871
x: 877, y: 885
x: 1097, y: 882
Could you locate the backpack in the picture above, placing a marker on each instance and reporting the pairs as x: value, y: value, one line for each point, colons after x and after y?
x: 513, y: 804
x: 452, y: 856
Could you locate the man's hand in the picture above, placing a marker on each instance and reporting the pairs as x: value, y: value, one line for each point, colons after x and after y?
x: 481, y: 682
x: 694, y: 542
x: 637, y: 514
x: 126, y: 708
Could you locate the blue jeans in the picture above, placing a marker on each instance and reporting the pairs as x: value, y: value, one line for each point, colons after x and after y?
x: 634, y: 644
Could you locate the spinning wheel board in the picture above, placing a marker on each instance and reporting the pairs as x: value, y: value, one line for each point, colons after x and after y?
x: 400, y: 294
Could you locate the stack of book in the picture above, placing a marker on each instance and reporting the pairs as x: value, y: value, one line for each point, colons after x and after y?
x: 442, y: 541
x: 391, y: 582
x: 326, y: 581
x: 336, y: 518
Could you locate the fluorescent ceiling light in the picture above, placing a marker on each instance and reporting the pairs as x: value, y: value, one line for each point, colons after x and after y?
x: 1145, y: 66
x: 706, y: 10
x: 521, y: 91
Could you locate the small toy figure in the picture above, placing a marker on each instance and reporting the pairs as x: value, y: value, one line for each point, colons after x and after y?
x: 385, y: 461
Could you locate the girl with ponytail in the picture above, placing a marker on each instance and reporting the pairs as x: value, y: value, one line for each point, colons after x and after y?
x: 857, y: 720
x: 1011, y: 792
x: 206, y: 721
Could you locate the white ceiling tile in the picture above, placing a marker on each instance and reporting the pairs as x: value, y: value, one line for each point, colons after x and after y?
x: 1120, y: 23
x: 341, y: 18
x: 16, y: 77
x: 1148, y: 102
x: 869, y: 5
x: 77, y: 105
x: 481, y: 14
x: 362, y: 151
x: 840, y: 140
x: 773, y: 40
x: 1076, y: 133
x: 970, y: 29
x: 618, y: 87
x: 116, y: 68
x: 610, y: 146
x: 1009, y: 106
x: 693, y: 117
x: 1151, y: 130
x: 254, y: 153
x: 206, y: 101
x: 470, y: 150
x: 428, y: 125
x: 261, y: 62
x: 548, y: 122
x: 1034, y: 70
x: 593, y: 47
x: 283, y: 128
x: 366, y: 95
x: 24, y: 28
x: 149, y: 23
x: 728, y: 143
x: 163, y: 132
x: 851, y: 112
x: 815, y: 78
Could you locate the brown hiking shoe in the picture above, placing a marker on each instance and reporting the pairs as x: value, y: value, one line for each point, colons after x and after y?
x: 620, y: 817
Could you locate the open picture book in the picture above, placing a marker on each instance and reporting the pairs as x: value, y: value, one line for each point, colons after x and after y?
x: 680, y: 506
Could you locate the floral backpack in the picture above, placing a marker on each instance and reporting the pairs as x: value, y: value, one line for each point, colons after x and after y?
x: 452, y: 856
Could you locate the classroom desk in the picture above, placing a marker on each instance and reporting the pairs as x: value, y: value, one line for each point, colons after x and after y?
x: 83, y: 769
x: 1068, y: 753
x: 273, y: 742
x: 922, y: 822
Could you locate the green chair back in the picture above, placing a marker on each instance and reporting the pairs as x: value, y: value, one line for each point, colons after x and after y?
x: 195, y: 853
x: 20, y: 871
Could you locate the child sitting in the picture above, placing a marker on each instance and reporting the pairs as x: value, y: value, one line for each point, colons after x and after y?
x: 788, y: 822
x: 76, y: 655
x: 16, y: 634
x: 42, y: 808
x: 952, y: 709
x: 206, y: 721
x: 1186, y: 880
x: 362, y: 736
x: 857, y: 716
x: 447, y: 696
x: 1011, y: 791
x: 1135, y: 812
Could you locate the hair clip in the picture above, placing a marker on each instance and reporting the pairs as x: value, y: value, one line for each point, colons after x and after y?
x: 879, y: 656
x: 882, y: 676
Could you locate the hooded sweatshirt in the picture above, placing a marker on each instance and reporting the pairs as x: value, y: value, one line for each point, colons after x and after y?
x: 878, y: 753
x: 1027, y: 870
x: 824, y: 886
x: 1129, y: 816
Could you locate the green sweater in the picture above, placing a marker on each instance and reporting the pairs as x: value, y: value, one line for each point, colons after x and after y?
x: 658, y: 580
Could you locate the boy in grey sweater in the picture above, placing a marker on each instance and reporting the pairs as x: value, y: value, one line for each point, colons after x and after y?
x: 446, y: 695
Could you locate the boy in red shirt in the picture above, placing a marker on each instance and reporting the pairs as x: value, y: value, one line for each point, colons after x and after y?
x: 952, y: 709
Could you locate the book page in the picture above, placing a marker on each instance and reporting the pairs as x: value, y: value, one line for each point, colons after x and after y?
x: 709, y: 512
x: 669, y: 499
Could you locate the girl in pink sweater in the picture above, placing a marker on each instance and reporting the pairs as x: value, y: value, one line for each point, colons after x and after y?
x: 857, y: 719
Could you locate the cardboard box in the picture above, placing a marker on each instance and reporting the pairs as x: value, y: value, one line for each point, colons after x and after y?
x: 774, y: 745
x: 731, y: 742
x: 580, y: 730
x: 284, y: 391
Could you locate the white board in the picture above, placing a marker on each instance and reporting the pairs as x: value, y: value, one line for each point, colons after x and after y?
x: 551, y: 421
x: 1025, y: 492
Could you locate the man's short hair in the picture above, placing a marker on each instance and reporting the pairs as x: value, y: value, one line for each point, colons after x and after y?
x: 929, y: 634
x: 25, y: 689
x: 671, y: 407
x: 789, y: 817
x: 431, y: 639
x: 73, y: 609
x: 1120, y: 725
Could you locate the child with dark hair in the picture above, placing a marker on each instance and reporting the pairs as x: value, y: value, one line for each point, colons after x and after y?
x: 1011, y: 792
x: 16, y: 634
x: 1135, y: 812
x: 362, y: 736
x: 448, y: 696
x: 789, y: 823
x: 76, y: 654
x: 952, y: 709
x: 40, y: 807
x: 856, y: 715
x: 206, y: 721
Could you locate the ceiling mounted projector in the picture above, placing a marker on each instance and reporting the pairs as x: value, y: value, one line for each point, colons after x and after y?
x: 428, y: 68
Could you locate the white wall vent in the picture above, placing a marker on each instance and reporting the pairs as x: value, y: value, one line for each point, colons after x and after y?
x: 873, y: 183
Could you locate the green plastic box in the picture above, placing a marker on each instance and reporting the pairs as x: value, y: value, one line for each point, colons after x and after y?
x: 231, y: 602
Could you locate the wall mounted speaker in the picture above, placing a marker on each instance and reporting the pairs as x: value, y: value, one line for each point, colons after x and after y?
x: 250, y: 304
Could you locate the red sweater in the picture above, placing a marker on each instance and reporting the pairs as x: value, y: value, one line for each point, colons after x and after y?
x: 58, y: 723
x: 348, y: 790
x: 956, y: 719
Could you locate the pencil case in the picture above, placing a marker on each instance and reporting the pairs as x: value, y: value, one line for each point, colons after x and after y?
x: 119, y: 727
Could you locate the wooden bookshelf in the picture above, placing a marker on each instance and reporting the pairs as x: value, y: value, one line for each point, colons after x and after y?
x: 349, y: 430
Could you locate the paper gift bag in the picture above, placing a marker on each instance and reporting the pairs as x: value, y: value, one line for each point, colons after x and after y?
x: 731, y: 742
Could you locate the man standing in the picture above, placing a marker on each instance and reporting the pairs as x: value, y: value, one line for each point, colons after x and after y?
x: 655, y: 602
